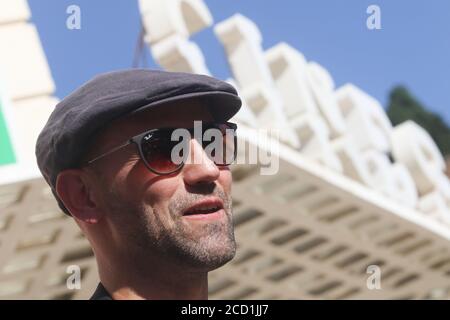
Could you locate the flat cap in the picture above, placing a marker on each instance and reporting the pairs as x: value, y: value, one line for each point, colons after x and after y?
x: 109, y: 96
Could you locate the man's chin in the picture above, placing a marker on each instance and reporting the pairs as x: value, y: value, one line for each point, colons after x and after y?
x: 212, y: 258
x: 224, y: 259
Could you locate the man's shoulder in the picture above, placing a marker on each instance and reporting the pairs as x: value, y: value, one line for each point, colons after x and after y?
x: 101, y: 293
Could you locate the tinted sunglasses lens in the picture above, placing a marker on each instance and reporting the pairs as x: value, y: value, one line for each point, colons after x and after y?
x: 165, y: 155
x: 222, y: 147
x: 157, y: 152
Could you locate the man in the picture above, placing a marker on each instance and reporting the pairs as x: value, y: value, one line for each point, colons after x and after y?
x: 157, y: 226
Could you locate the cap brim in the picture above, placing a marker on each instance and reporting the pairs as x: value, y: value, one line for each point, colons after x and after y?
x: 223, y: 105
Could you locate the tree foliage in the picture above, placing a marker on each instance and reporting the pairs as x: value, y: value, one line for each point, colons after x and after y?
x: 403, y: 106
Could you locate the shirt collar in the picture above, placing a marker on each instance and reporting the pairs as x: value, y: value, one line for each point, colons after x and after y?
x: 101, y: 293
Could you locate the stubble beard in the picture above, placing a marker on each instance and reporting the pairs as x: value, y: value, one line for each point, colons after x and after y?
x: 199, y: 247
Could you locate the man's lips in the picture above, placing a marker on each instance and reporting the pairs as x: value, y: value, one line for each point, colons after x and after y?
x: 204, y: 208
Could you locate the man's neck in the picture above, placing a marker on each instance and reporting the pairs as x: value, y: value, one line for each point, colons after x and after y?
x: 156, y: 284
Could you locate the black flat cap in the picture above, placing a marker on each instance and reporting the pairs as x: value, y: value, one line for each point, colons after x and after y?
x: 76, y: 119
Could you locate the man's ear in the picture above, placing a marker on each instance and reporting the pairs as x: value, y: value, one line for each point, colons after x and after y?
x: 74, y: 188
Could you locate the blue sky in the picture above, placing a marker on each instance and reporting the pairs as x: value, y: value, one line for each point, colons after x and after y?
x: 412, y: 48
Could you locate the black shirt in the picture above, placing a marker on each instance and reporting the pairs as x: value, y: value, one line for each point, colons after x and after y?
x: 101, y: 293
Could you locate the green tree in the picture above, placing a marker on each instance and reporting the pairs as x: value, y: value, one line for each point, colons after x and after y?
x: 404, y: 106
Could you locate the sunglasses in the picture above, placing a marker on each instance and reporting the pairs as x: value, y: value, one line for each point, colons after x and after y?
x: 163, y: 154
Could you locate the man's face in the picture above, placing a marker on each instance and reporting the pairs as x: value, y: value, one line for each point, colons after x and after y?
x: 144, y: 211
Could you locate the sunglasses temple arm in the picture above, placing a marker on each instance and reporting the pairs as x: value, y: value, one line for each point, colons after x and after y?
x: 109, y: 152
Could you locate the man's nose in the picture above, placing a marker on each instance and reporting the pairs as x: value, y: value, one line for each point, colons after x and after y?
x: 200, y: 168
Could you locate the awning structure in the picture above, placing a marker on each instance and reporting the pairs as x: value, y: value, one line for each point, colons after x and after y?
x: 310, y: 233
